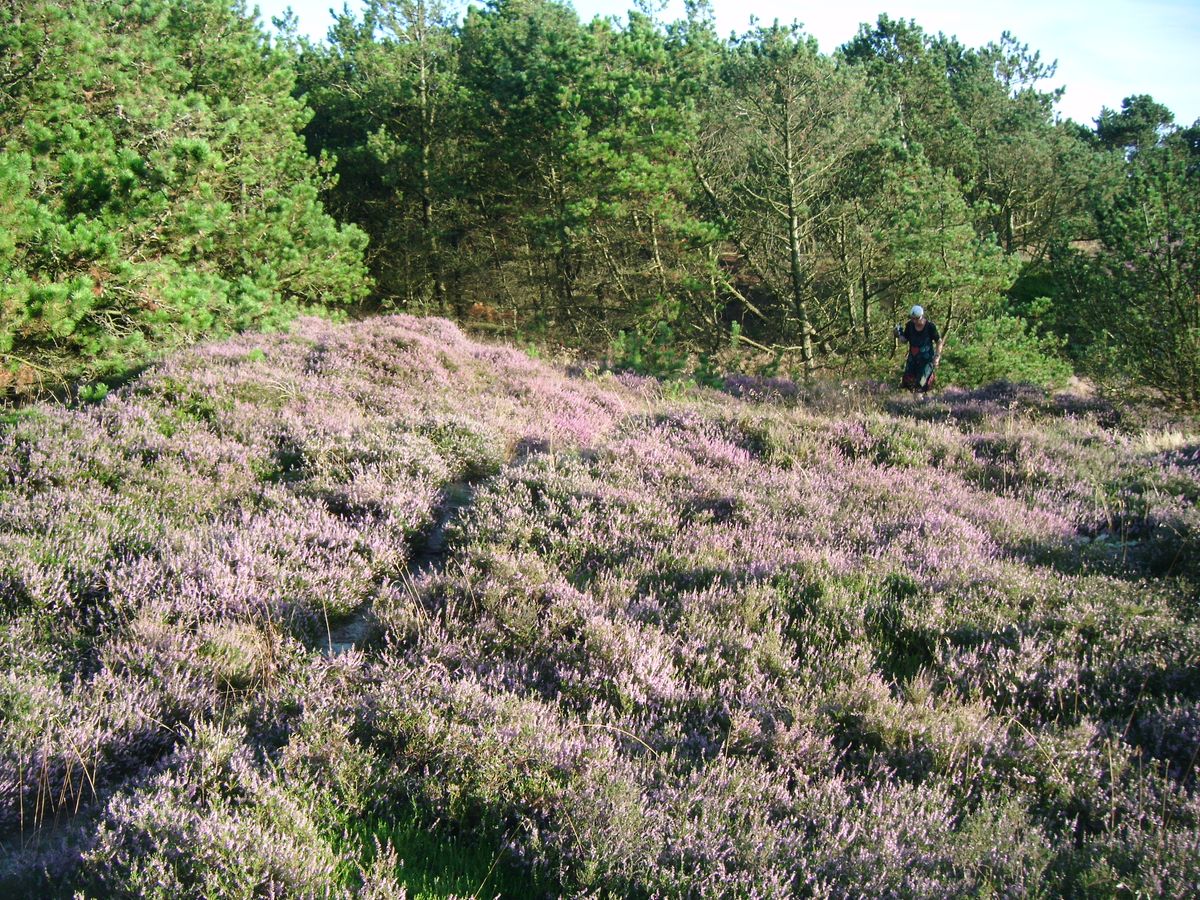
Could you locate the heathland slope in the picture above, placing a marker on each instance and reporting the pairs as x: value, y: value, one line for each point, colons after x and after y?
x: 327, y: 612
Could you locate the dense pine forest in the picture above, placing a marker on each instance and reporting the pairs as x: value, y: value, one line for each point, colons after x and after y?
x: 644, y: 192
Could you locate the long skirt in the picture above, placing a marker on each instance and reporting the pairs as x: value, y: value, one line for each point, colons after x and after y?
x: 918, y: 372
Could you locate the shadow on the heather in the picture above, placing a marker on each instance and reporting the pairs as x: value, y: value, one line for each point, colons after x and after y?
x: 999, y: 400
x: 362, y: 630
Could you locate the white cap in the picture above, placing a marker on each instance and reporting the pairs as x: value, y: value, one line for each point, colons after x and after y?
x: 917, y: 312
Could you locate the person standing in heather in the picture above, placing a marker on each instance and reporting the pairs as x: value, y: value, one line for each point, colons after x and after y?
x: 924, y: 350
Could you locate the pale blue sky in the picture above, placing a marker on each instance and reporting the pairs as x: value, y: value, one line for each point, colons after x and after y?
x: 1106, y: 49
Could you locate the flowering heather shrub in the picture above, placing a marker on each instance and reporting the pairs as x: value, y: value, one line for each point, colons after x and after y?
x: 212, y: 824
x: 780, y: 640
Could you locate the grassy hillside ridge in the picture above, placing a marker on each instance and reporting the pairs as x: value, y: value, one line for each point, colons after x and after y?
x: 821, y: 640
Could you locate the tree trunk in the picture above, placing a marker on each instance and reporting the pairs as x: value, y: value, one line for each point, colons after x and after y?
x: 796, y: 268
x: 432, y: 248
x: 866, y: 309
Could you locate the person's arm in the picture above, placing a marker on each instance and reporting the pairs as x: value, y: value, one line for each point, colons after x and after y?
x: 937, y: 345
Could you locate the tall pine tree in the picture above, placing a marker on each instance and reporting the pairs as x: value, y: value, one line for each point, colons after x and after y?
x: 161, y: 192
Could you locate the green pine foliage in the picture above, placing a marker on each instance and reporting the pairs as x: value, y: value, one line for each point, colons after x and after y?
x: 156, y: 187
x: 170, y: 172
x: 1150, y: 269
x: 1004, y: 348
x: 1126, y: 298
x: 656, y: 353
x: 573, y: 182
x: 387, y: 103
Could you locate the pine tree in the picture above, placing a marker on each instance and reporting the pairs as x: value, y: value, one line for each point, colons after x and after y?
x: 1147, y: 273
x: 162, y: 193
x: 786, y: 126
x: 387, y: 104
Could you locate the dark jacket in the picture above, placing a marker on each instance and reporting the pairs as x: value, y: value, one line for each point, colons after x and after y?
x: 923, y: 342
